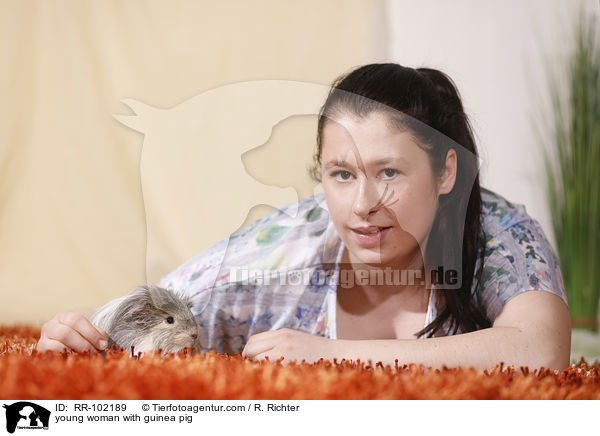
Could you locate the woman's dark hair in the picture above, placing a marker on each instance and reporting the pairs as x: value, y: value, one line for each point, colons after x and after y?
x: 426, y: 102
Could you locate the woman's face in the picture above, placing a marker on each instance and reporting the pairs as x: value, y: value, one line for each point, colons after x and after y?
x: 380, y: 189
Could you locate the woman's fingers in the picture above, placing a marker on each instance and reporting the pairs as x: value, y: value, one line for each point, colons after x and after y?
x: 71, y: 330
x: 70, y: 338
x: 254, y: 348
x: 251, y: 350
x: 265, y: 341
x: 272, y: 357
x: 51, y: 345
x: 79, y: 323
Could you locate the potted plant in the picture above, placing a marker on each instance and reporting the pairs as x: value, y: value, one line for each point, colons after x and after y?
x: 572, y: 168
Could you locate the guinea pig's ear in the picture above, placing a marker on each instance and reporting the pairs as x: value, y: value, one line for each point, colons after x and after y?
x: 185, y: 299
x: 140, y: 314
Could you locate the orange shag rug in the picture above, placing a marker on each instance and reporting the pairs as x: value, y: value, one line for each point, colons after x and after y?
x: 26, y: 374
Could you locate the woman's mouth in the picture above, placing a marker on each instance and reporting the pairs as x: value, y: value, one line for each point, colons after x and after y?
x: 370, y: 236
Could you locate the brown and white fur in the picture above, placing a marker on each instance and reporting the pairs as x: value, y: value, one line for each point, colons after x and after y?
x: 150, y: 318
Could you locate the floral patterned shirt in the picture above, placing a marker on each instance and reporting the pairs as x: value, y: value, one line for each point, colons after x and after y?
x: 283, y: 270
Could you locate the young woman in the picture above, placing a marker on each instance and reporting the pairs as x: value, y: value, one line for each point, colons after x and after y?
x: 402, y: 258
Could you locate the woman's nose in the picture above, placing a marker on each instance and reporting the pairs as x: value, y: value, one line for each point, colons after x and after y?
x: 367, y: 199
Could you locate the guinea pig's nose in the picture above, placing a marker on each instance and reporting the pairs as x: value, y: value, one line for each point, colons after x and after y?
x: 194, y: 336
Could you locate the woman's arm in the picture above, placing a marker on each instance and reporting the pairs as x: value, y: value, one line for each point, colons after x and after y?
x: 533, y: 329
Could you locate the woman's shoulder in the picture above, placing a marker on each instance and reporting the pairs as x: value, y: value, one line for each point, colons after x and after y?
x: 499, y: 214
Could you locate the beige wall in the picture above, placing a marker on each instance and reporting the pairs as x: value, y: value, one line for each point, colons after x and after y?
x: 76, y: 190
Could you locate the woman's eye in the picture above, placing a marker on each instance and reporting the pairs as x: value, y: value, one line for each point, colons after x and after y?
x: 390, y: 172
x: 342, y: 176
x: 170, y: 320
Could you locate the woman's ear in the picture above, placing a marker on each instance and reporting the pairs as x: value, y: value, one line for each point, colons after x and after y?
x: 448, y: 177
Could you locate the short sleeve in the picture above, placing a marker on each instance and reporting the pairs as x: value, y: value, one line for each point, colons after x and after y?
x: 518, y: 259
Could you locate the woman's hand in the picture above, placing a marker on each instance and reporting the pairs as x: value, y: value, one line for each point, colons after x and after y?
x: 71, y: 330
x: 293, y: 345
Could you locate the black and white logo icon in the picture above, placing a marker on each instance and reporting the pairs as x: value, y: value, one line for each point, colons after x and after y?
x: 26, y: 415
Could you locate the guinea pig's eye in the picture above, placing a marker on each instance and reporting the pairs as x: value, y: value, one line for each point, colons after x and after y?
x: 170, y: 320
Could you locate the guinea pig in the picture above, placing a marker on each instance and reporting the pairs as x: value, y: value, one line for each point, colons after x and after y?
x: 150, y: 318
